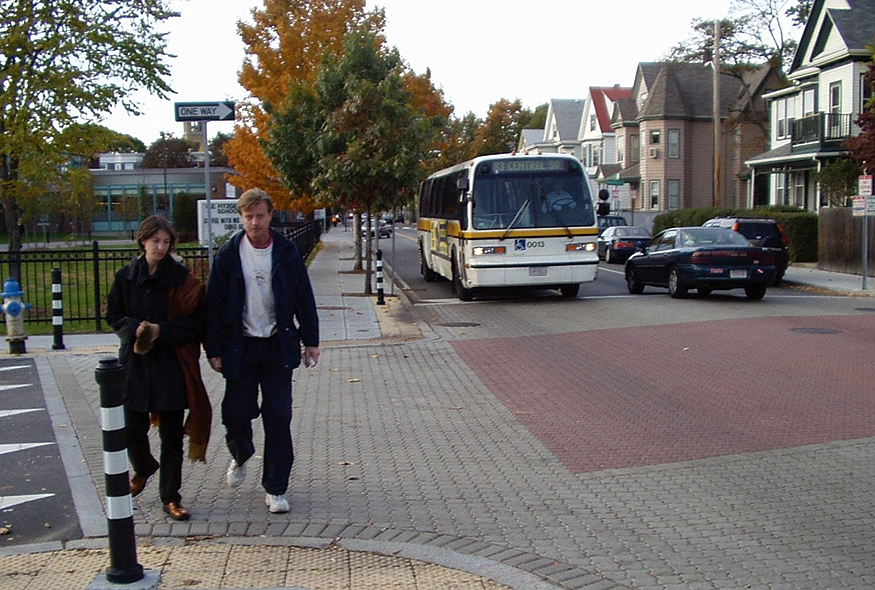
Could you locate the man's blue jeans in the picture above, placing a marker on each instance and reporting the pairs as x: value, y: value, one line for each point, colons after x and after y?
x: 263, y: 368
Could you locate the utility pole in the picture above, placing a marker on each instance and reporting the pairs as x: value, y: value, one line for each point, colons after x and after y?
x: 716, y: 89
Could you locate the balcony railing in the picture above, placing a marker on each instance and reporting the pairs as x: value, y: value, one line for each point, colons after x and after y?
x: 821, y: 130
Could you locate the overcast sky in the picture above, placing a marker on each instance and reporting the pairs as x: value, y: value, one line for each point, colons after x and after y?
x: 479, y: 51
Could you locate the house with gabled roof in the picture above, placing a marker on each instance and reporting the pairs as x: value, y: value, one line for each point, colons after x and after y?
x: 812, y: 117
x: 665, y: 134
x: 562, y: 126
x: 597, y: 137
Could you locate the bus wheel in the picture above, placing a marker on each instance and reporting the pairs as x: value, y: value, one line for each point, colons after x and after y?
x: 427, y: 273
x: 461, y: 292
x: 569, y: 291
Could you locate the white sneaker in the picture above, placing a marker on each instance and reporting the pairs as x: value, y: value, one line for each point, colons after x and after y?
x: 236, y: 474
x: 276, y: 504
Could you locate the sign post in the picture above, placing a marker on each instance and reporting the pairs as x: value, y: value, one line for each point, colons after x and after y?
x: 205, y: 111
x: 865, y: 202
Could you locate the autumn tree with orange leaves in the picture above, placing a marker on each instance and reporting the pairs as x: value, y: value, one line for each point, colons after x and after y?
x: 284, y: 44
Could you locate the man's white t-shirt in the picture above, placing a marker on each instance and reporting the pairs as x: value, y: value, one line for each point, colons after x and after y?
x: 259, y: 308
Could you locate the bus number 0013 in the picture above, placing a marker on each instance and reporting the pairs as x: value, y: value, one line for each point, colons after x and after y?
x: 535, y: 244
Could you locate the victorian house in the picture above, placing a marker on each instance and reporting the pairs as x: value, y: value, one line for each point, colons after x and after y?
x: 811, y: 118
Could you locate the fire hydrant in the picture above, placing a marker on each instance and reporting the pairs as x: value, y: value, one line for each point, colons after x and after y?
x: 14, y: 308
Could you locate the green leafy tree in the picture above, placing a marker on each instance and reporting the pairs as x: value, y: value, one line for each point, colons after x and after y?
x: 838, y: 181
x: 218, y: 156
x: 501, y: 130
x: 756, y: 32
x: 353, y: 139
x: 63, y: 62
x: 169, y: 152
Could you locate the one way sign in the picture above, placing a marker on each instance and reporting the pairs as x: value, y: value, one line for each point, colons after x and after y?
x: 204, y: 111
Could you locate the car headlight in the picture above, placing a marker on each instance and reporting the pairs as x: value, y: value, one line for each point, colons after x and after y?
x: 481, y: 250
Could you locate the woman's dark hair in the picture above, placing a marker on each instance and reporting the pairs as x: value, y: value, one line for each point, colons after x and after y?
x: 152, y: 225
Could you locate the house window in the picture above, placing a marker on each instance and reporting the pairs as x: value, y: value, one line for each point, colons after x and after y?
x: 654, y: 194
x: 674, y: 143
x: 808, y: 103
x: 799, y: 189
x: 596, y: 156
x: 673, y: 193
x: 654, y: 136
x: 592, y: 122
x: 635, y: 148
x: 621, y: 145
x: 780, y: 189
x: 785, y: 111
x: 865, y: 93
x: 835, y: 109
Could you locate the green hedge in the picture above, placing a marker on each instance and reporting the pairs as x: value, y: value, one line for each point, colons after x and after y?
x: 799, y: 226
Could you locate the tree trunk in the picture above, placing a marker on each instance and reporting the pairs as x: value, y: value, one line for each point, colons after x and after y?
x: 13, y: 231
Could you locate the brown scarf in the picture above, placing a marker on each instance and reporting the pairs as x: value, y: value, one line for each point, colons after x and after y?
x: 183, y: 301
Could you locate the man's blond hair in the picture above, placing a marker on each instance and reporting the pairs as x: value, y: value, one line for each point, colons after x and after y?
x: 252, y: 197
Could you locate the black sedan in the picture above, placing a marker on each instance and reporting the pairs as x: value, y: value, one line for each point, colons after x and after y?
x: 701, y: 258
x: 618, y: 243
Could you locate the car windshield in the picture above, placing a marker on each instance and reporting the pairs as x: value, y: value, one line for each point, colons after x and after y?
x: 529, y: 200
x: 711, y: 236
x: 631, y: 232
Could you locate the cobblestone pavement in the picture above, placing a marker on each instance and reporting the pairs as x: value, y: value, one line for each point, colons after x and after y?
x: 527, y: 458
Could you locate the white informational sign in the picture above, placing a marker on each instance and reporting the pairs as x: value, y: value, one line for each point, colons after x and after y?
x: 224, y: 216
x: 859, y: 206
x: 864, y: 185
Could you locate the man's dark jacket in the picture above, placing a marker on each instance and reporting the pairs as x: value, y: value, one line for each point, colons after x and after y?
x: 293, y: 297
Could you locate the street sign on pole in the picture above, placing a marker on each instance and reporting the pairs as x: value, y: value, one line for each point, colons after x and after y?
x: 204, y: 111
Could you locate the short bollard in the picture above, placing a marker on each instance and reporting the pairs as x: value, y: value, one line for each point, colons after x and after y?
x: 380, y: 300
x: 123, y: 566
x: 57, y: 310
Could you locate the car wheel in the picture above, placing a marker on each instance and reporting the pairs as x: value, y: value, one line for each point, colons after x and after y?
x: 778, y: 278
x: 705, y: 291
x: 635, y: 288
x: 755, y: 292
x: 675, y: 287
x: 569, y: 291
x: 461, y: 292
x: 607, y: 255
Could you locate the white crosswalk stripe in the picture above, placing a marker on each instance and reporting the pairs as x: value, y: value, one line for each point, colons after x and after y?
x: 10, y: 501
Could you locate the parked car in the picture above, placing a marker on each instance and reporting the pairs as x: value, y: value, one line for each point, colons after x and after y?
x: 385, y: 228
x: 701, y: 258
x: 763, y: 232
x: 606, y: 221
x: 617, y: 243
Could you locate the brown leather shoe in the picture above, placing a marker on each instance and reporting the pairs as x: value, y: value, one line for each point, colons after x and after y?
x: 176, y: 511
x: 138, y: 483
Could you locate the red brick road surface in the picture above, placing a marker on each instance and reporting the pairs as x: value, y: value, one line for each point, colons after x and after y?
x: 629, y: 397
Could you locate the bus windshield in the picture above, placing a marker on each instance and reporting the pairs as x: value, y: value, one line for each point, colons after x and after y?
x: 530, y: 200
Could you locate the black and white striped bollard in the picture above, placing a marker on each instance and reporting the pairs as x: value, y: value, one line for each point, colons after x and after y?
x: 57, y: 310
x: 123, y: 566
x: 380, y: 300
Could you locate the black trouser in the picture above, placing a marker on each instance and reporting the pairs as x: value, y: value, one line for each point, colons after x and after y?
x: 171, y: 431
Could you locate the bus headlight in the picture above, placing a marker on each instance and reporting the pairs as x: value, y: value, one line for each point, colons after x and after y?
x: 480, y: 250
x: 580, y: 247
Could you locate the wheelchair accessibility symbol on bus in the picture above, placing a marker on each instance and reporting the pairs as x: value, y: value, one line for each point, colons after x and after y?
x: 519, y: 244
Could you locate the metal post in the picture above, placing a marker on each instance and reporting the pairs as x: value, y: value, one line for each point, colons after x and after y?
x: 380, y: 300
x: 57, y: 310
x: 123, y: 566
x: 208, y: 191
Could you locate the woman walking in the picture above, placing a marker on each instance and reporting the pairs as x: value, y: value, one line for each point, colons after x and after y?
x: 157, y: 308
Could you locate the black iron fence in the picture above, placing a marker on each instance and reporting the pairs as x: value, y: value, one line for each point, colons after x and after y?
x: 87, y: 273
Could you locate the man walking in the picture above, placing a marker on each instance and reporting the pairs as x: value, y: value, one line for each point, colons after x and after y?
x: 258, y: 287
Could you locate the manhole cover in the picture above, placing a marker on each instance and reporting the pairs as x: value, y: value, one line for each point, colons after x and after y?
x: 816, y: 331
x: 458, y: 324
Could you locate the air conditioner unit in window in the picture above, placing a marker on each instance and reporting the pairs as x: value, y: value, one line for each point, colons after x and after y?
x: 654, y: 152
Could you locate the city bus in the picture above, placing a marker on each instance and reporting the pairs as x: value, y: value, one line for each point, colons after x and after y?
x: 520, y: 221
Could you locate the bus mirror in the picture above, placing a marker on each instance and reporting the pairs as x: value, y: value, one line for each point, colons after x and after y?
x: 462, y: 184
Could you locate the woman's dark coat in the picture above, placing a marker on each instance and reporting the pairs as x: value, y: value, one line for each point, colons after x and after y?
x: 154, y: 381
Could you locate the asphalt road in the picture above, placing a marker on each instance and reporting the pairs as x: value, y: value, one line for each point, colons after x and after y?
x: 36, y: 505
